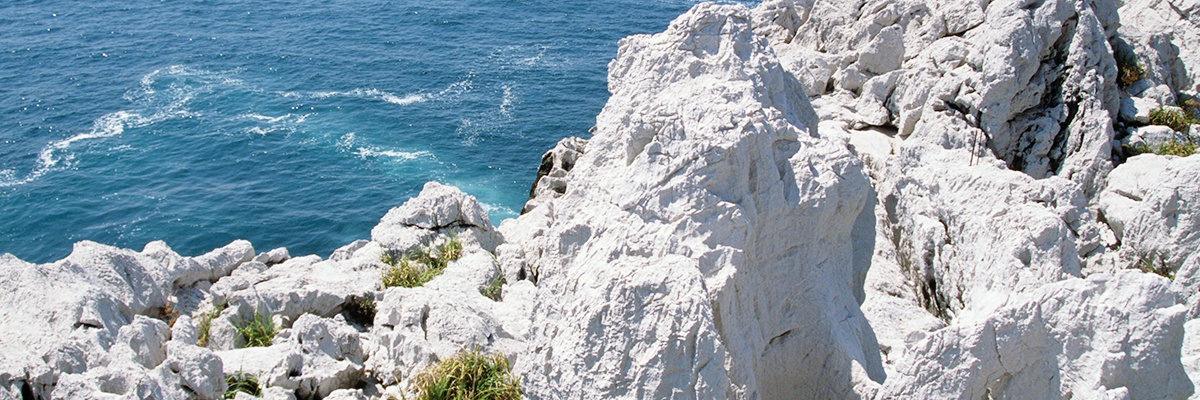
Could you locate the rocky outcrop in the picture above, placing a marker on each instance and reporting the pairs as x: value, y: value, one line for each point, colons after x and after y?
x: 551, y: 182
x: 990, y: 200
x: 78, y: 328
x: 947, y: 217
x: 697, y: 233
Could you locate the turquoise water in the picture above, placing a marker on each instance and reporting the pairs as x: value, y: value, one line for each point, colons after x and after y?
x: 296, y: 123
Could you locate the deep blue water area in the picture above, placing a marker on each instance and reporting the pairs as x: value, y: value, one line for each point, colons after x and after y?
x: 287, y: 123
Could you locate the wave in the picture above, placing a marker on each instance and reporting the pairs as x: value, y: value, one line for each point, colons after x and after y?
x: 372, y: 152
x: 497, y: 209
x: 449, y: 93
x: 161, y: 95
x: 287, y: 122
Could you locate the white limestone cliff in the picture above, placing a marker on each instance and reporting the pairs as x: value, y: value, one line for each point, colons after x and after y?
x: 951, y: 215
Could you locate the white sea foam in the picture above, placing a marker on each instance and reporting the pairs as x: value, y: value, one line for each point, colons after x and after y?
x: 371, y: 152
x: 287, y: 122
x: 346, y: 142
x: 490, y: 208
x: 449, y: 93
x: 373, y: 94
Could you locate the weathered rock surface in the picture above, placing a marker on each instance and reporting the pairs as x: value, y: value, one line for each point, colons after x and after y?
x: 77, y: 328
x: 946, y: 218
x: 1107, y: 335
x: 697, y: 233
x: 551, y: 180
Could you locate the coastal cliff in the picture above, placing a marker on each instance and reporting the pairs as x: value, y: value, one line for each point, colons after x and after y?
x: 808, y: 199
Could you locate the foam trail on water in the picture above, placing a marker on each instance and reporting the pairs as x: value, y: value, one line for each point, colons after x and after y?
x: 374, y: 94
x: 287, y: 122
x: 370, y: 152
x: 54, y: 154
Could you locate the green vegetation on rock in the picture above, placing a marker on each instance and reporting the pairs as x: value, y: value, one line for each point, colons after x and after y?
x: 420, y: 265
x: 258, y: 331
x: 470, y: 375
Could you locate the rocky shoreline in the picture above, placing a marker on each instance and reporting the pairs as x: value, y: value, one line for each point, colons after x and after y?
x: 862, y: 200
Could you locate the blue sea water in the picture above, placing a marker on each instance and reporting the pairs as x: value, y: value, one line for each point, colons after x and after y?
x: 287, y: 123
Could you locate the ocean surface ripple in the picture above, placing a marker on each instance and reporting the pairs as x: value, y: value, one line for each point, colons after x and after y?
x: 287, y: 124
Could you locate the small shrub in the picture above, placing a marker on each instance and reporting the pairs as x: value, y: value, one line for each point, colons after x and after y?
x: 420, y: 265
x: 1128, y: 69
x: 468, y: 375
x: 360, y: 309
x: 258, y: 331
x: 1177, y: 119
x: 241, y: 382
x: 206, y: 324
x: 494, y: 289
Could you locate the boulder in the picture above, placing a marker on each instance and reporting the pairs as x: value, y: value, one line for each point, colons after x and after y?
x: 436, y: 208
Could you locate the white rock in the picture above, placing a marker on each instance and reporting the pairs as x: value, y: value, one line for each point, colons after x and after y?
x: 696, y: 233
x: 142, y: 342
x: 313, y: 359
x: 551, y: 176
x: 1072, y: 339
x: 275, y: 256
x: 1150, y: 136
x: 437, y: 208
x: 1165, y: 37
x: 1137, y: 109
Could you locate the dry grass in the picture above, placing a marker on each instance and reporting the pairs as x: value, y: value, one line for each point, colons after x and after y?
x: 470, y: 375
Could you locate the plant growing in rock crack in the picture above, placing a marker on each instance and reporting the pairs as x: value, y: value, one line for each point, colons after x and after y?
x: 494, y: 289
x: 360, y: 309
x: 1177, y: 119
x: 206, y: 324
x: 241, y: 382
x: 421, y: 265
x: 1129, y: 70
x: 1172, y: 148
x: 468, y: 375
x: 257, y: 331
x: 167, y: 313
x: 1147, y: 265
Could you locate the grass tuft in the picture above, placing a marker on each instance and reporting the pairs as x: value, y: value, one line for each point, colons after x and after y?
x: 494, y: 289
x: 258, y: 331
x: 1129, y: 71
x: 360, y: 309
x: 468, y: 375
x: 421, y: 265
x: 206, y: 324
x: 1182, y: 149
x: 1177, y: 119
x: 241, y: 382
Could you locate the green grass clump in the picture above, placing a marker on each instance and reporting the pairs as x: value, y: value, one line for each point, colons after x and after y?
x: 467, y: 376
x: 241, y: 382
x: 1128, y: 69
x: 494, y: 289
x: 360, y: 309
x: 1177, y: 119
x: 206, y: 324
x: 258, y: 331
x: 1182, y: 149
x: 420, y: 265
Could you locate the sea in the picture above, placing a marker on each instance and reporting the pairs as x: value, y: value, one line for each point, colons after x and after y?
x: 291, y: 124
